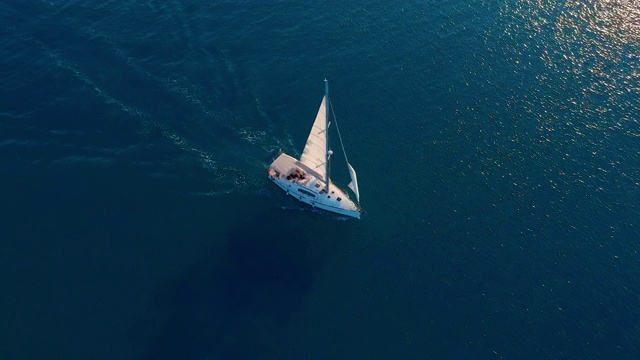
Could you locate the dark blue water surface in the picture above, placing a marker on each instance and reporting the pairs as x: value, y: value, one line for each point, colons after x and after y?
x: 496, y: 142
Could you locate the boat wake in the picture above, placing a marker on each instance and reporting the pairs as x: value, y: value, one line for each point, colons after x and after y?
x: 234, y: 163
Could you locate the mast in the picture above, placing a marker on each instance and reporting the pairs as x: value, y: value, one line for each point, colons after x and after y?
x: 329, y: 152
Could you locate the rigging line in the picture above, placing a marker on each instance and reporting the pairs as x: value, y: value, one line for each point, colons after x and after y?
x: 338, y: 129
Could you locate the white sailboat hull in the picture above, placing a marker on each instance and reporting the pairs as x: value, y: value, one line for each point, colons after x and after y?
x: 301, y: 182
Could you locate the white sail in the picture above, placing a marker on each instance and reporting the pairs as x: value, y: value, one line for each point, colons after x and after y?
x: 353, y: 185
x: 314, y: 154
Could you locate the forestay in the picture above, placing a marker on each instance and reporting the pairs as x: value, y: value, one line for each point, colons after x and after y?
x: 353, y: 185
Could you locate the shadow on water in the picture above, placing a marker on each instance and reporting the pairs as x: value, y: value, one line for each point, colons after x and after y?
x: 234, y: 301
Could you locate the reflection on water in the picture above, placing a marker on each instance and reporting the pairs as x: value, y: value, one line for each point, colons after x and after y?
x: 593, y: 57
x: 569, y: 72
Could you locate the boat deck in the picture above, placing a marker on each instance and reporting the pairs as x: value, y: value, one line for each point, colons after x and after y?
x: 302, y: 183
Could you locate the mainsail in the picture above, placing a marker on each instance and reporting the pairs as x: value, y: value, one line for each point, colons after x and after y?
x: 314, y: 154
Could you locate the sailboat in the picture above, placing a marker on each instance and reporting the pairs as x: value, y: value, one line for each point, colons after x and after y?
x: 308, y: 178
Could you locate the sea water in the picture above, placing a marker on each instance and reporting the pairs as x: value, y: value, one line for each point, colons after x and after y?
x: 496, y: 144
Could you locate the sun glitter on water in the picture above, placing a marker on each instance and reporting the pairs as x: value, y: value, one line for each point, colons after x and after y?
x: 593, y: 56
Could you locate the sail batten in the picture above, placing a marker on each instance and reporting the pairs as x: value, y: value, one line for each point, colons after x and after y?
x: 314, y: 154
